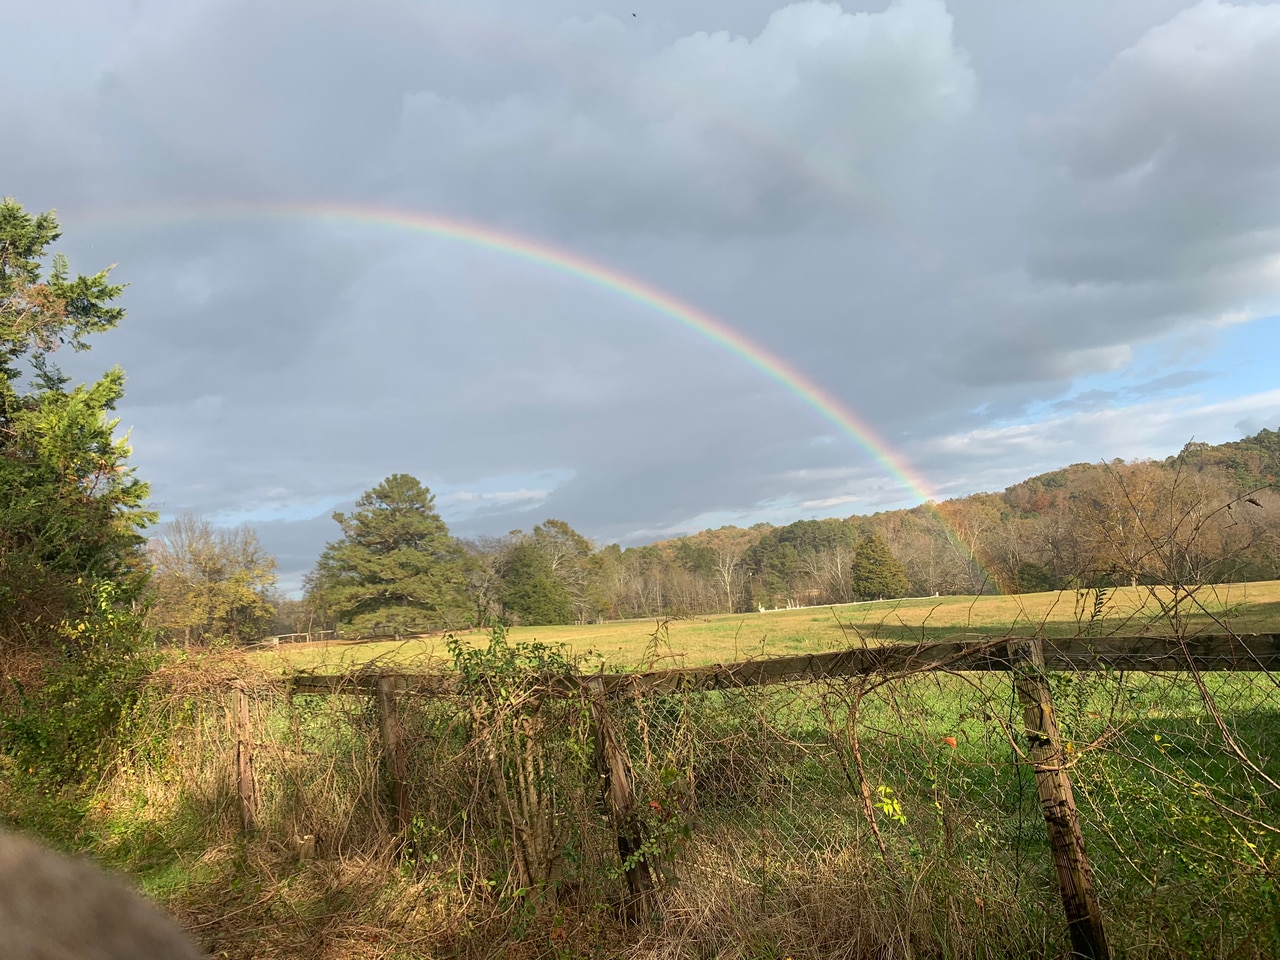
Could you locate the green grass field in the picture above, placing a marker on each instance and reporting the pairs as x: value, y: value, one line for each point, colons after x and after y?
x: 629, y: 644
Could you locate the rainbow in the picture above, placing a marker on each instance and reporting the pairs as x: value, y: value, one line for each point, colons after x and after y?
x: 579, y: 268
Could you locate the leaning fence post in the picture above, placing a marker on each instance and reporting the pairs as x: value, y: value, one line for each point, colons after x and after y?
x: 611, y: 762
x: 393, y: 752
x: 1057, y: 802
x: 246, y: 788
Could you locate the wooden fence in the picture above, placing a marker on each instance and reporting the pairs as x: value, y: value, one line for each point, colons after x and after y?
x: 1030, y: 659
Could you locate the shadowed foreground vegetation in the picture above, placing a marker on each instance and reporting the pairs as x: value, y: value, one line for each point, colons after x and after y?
x: 855, y: 817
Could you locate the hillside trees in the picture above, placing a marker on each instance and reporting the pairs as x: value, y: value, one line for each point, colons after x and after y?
x: 804, y: 562
x: 71, y: 509
x: 210, y: 584
x: 1068, y: 528
x: 728, y: 546
x: 975, y: 522
x: 1145, y: 523
x: 396, y: 566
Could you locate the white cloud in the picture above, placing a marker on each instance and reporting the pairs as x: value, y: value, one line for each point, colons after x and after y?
x: 994, y: 457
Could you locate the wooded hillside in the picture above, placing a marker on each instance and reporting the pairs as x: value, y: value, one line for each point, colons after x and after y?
x: 1209, y: 514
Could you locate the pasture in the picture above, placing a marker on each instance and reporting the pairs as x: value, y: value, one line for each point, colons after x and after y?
x: 631, y: 644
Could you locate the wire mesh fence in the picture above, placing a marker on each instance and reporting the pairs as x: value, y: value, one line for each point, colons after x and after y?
x: 893, y: 809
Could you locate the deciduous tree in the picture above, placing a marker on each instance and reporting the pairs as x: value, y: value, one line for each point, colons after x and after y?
x: 210, y: 584
x: 569, y: 554
x: 729, y: 546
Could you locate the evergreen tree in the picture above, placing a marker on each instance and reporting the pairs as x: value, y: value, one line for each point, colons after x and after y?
x: 396, y: 566
x: 876, y: 573
x: 531, y: 592
x: 1033, y: 578
x: 70, y: 507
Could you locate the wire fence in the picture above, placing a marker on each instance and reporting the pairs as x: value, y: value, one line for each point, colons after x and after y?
x: 901, y: 801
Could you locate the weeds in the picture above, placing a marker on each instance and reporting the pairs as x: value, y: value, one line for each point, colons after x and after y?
x: 842, y: 817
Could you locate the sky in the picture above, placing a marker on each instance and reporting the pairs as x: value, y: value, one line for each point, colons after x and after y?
x: 886, y: 251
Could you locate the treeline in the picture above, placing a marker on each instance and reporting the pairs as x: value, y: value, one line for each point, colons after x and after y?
x: 1210, y: 514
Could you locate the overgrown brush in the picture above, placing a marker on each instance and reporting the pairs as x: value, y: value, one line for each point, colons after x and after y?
x: 886, y: 815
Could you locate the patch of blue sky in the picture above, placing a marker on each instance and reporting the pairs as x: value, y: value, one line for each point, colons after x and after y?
x: 1210, y: 365
x: 280, y: 510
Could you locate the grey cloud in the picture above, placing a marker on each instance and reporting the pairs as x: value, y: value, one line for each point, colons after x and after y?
x: 943, y: 218
x: 245, y: 100
x: 714, y: 132
x: 1171, y: 164
x: 1157, y: 209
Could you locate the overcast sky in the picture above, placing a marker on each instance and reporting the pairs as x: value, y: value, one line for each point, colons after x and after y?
x: 1007, y: 236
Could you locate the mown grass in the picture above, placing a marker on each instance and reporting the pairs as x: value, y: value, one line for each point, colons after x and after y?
x: 628, y: 644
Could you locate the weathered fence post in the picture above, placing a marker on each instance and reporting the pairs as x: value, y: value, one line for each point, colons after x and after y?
x: 393, y: 752
x: 246, y: 787
x: 614, y: 769
x: 1058, y: 803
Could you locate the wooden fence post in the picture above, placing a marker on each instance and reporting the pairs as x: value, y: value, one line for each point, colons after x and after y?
x: 614, y: 769
x: 246, y: 787
x: 1057, y: 802
x: 393, y: 753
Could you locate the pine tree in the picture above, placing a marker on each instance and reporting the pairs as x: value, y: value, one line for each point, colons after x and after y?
x: 70, y: 507
x: 396, y: 566
x: 876, y: 574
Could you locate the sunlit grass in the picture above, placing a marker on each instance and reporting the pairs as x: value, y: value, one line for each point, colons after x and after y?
x: 629, y: 644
